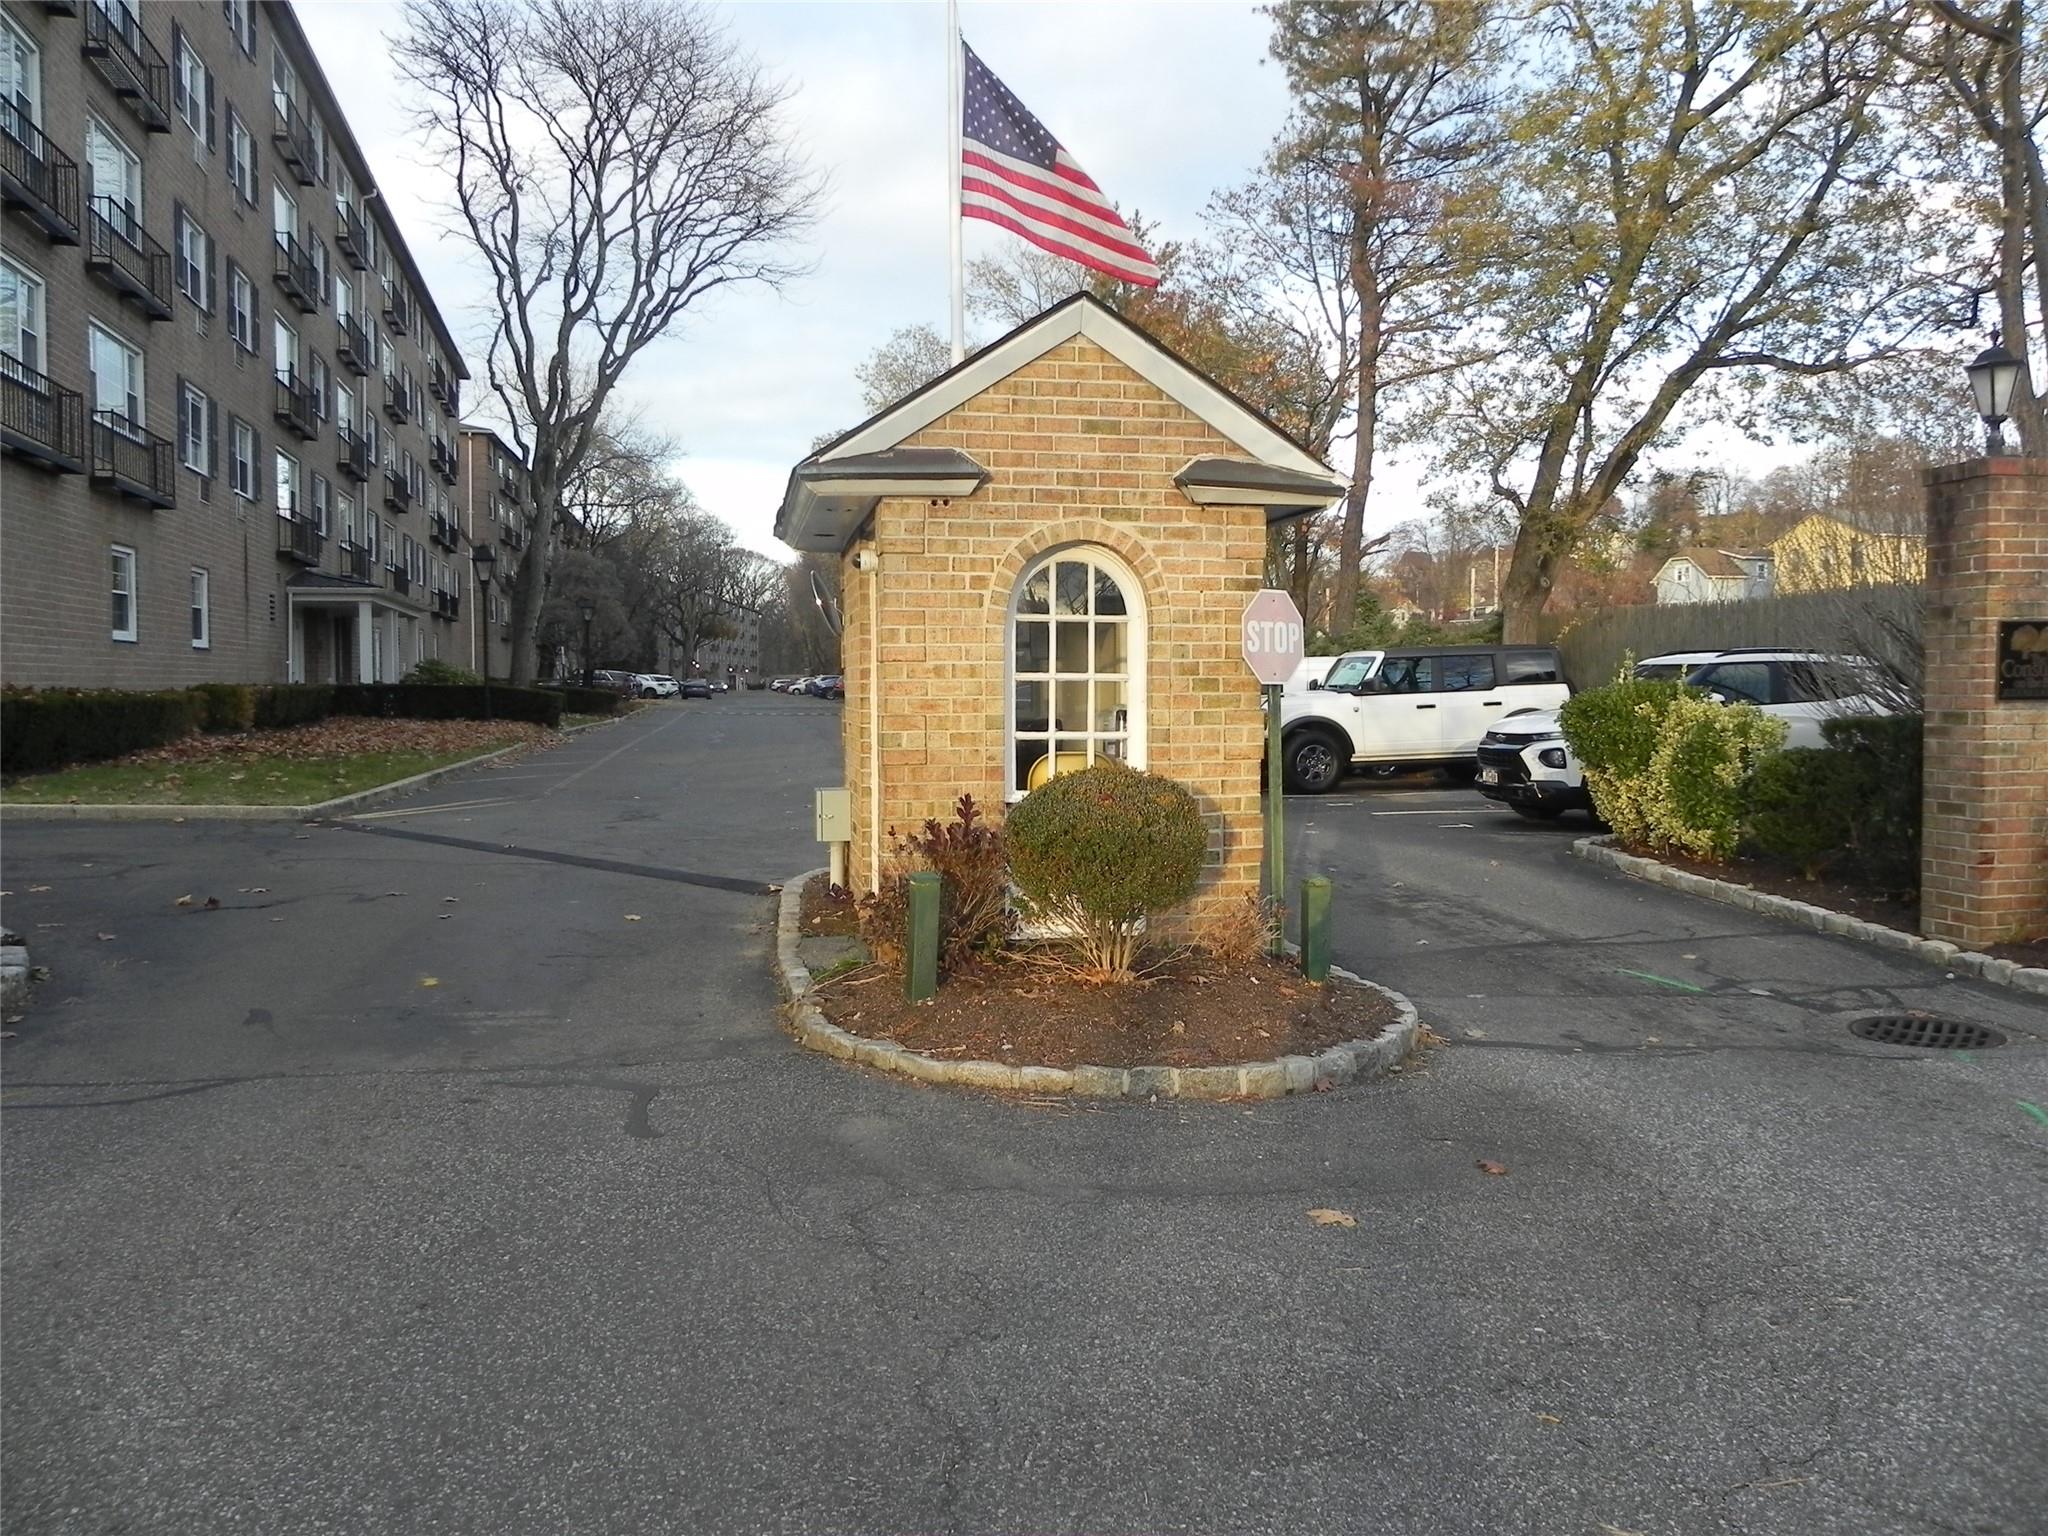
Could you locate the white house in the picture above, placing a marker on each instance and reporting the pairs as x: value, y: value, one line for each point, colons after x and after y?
x: 1714, y: 576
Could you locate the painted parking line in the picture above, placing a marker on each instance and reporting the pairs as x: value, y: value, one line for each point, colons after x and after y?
x: 1448, y: 810
x: 429, y: 810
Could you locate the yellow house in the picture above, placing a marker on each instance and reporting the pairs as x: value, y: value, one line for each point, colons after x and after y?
x: 1830, y: 551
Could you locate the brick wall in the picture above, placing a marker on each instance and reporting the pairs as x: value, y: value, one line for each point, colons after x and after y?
x: 1080, y: 450
x: 1984, y: 868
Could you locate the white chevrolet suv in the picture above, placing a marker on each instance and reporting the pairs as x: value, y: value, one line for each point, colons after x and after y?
x: 1525, y: 764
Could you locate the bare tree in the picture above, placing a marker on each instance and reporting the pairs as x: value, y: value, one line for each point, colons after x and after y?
x: 912, y: 357
x: 613, y: 161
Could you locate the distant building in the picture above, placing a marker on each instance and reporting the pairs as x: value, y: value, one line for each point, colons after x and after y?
x: 493, y: 496
x: 1714, y: 576
x: 735, y: 655
x: 1844, y: 549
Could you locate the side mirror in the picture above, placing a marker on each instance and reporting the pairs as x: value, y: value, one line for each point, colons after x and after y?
x: 1315, y: 685
x: 1719, y: 697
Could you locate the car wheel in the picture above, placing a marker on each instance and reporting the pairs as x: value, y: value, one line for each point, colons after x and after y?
x: 1537, y: 812
x: 1312, y: 763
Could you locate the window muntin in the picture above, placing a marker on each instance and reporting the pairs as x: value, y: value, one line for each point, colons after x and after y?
x: 1076, y: 667
x: 202, y: 619
x: 121, y: 580
x: 21, y: 81
x: 21, y: 315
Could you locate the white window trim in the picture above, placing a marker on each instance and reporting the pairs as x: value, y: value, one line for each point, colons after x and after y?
x: 141, y: 373
x: 37, y: 291
x: 242, y: 318
x: 243, y: 486
x: 1135, y: 667
x: 11, y: 35
x: 132, y: 633
x: 203, y: 609
x: 285, y: 472
x: 194, y: 392
x: 194, y: 103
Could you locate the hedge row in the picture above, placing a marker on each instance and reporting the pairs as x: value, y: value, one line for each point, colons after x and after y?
x: 54, y: 728
x: 590, y: 701
x: 1852, y: 807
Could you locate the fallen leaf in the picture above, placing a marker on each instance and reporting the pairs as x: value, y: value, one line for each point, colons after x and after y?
x: 446, y: 915
x: 259, y: 890
x: 1487, y: 1166
x: 183, y: 901
x: 34, y: 888
x: 1548, y: 1418
x: 430, y: 981
x: 632, y: 917
x: 1615, y: 1530
x: 1322, y: 1216
x: 103, y: 935
x: 451, y: 898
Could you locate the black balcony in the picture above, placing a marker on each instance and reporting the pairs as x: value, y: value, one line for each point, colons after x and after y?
x: 513, y: 535
x: 397, y: 494
x: 351, y: 454
x: 60, y: 7
x: 39, y: 419
x: 298, y: 539
x: 354, y: 560
x: 352, y: 237
x: 37, y: 177
x: 129, y: 62
x: 353, y: 347
x: 509, y: 487
x: 132, y: 460
x: 441, y: 383
x: 442, y: 531
x: 293, y: 136
x: 441, y: 454
x: 296, y: 409
x: 398, y: 398
x: 293, y: 268
x: 398, y: 310
x: 401, y: 583
x: 123, y: 256
x: 447, y: 605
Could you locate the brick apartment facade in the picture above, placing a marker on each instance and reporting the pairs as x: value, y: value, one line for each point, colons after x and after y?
x: 494, y: 496
x: 734, y: 657
x: 228, y: 404
x: 1046, y: 554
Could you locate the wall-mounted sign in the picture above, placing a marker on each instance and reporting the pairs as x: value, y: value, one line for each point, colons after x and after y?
x: 2023, y: 659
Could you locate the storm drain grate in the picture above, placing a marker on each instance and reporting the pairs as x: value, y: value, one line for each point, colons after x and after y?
x: 1927, y: 1030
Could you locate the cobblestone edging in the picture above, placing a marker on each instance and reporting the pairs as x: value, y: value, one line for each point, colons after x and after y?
x: 14, y: 977
x: 343, y: 806
x: 1354, y: 1061
x: 1964, y: 962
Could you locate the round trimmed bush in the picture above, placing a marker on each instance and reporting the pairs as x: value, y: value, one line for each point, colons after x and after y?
x: 1109, y: 844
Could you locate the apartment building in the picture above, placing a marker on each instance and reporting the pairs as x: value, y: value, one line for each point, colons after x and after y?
x: 494, y: 496
x: 228, y: 404
x: 734, y: 656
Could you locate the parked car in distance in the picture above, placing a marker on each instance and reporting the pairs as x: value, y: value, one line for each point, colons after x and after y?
x: 657, y: 685
x: 1524, y: 763
x: 695, y: 688
x: 1411, y: 707
x: 832, y: 686
x: 780, y: 684
x: 627, y: 683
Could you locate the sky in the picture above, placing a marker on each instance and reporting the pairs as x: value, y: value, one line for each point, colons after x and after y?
x: 1163, y: 104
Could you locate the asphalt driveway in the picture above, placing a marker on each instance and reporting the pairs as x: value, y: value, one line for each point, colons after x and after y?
x: 456, y: 1176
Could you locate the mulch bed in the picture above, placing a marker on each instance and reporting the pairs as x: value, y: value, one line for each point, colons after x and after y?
x: 827, y: 909
x: 1193, y: 1012
x: 346, y: 736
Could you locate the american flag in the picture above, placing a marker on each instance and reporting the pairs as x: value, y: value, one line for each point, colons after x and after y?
x: 1014, y: 173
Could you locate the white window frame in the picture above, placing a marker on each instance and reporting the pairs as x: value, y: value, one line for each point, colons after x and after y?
x: 195, y: 406
x: 242, y: 316
x: 195, y: 264
x: 29, y: 317
x: 242, y: 24
x: 24, y: 68
x: 202, y: 609
x: 284, y: 342
x: 1097, y: 558
x: 284, y: 213
x: 135, y: 383
x: 188, y: 87
x: 242, y: 460
x: 286, y: 483
x: 241, y: 158
x: 321, y: 501
x: 130, y: 190
x: 118, y: 556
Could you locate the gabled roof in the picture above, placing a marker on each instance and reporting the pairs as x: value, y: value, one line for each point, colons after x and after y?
x: 1724, y: 564
x: 1276, y: 472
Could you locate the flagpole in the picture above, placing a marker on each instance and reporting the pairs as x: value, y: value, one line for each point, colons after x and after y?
x: 954, y: 67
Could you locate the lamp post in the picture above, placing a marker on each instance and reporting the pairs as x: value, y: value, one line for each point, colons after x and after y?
x: 589, y: 611
x: 485, y: 559
x: 1994, y: 374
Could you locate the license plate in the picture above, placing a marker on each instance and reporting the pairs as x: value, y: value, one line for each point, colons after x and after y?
x: 1489, y: 775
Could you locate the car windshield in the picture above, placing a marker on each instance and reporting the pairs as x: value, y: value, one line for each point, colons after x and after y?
x: 1659, y: 671
x: 1352, y: 671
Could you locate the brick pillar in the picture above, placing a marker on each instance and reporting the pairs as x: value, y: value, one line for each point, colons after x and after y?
x: 1984, y: 816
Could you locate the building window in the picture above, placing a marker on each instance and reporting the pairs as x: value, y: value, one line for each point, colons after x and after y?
x: 21, y: 315
x: 195, y: 429
x: 321, y: 497
x: 123, y: 582
x: 345, y: 516
x: 117, y: 383
x: 286, y: 342
x: 241, y: 158
x: 192, y: 90
x: 116, y: 179
x: 241, y: 17
x: 284, y: 214
x: 241, y: 308
x: 202, y: 634
x: 288, y: 504
x: 242, y: 461
x: 195, y: 262
x: 1076, y: 665
x: 316, y: 376
x: 21, y: 81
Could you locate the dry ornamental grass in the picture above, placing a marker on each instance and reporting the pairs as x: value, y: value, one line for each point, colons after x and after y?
x: 347, y: 736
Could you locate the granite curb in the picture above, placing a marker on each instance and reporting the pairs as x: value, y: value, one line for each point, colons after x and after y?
x: 342, y: 806
x: 14, y: 977
x: 1951, y: 957
x: 1352, y: 1062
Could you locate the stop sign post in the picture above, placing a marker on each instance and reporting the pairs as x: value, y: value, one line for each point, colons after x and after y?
x: 1273, y: 640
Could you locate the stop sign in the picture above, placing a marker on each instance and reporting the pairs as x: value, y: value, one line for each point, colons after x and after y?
x: 1273, y: 639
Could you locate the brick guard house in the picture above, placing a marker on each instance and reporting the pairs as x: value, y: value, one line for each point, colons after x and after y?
x: 1045, y: 553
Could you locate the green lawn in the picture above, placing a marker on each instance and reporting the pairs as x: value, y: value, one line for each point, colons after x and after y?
x: 228, y: 781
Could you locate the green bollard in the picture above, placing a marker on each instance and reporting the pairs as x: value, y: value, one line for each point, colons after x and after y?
x: 1315, y: 928
x: 921, y: 974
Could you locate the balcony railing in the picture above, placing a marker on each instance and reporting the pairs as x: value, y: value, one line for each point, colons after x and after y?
x: 401, y: 583
x: 296, y: 408
x: 353, y: 347
x: 121, y: 253
x: 441, y: 454
x: 298, y: 539
x: 442, y: 531
x: 130, y: 63
x: 352, y: 237
x: 397, y: 494
x: 509, y: 488
x: 441, y: 383
x: 293, y: 136
x: 354, y: 560
x: 132, y: 460
x: 293, y: 267
x: 513, y: 535
x: 351, y: 454
x: 397, y: 310
x: 397, y: 398
x: 447, y: 605
x: 36, y: 176
x: 39, y: 419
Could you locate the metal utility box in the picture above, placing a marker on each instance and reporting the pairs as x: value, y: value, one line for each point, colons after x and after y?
x: 835, y: 816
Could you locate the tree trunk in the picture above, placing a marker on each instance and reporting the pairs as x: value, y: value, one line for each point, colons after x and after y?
x: 2026, y: 220
x: 530, y: 591
x: 1526, y: 587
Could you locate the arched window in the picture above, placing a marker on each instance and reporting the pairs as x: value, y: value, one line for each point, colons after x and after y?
x: 1077, y: 667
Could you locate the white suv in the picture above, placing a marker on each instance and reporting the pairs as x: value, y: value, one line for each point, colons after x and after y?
x: 1525, y: 763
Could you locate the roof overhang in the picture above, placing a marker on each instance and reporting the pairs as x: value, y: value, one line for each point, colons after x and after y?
x: 829, y: 499
x: 1283, y: 492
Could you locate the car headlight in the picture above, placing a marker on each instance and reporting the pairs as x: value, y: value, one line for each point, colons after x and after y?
x: 1551, y: 757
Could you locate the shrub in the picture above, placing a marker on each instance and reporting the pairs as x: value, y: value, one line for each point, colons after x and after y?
x: 1885, y: 819
x: 1096, y: 851
x: 1795, y: 807
x: 967, y: 855
x: 1704, y: 751
x: 435, y: 670
x: 1853, y: 806
x: 449, y: 701
x: 1613, y: 732
x: 55, y: 727
x: 589, y: 701
x: 294, y: 704
x: 883, y: 918
x: 226, y: 706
